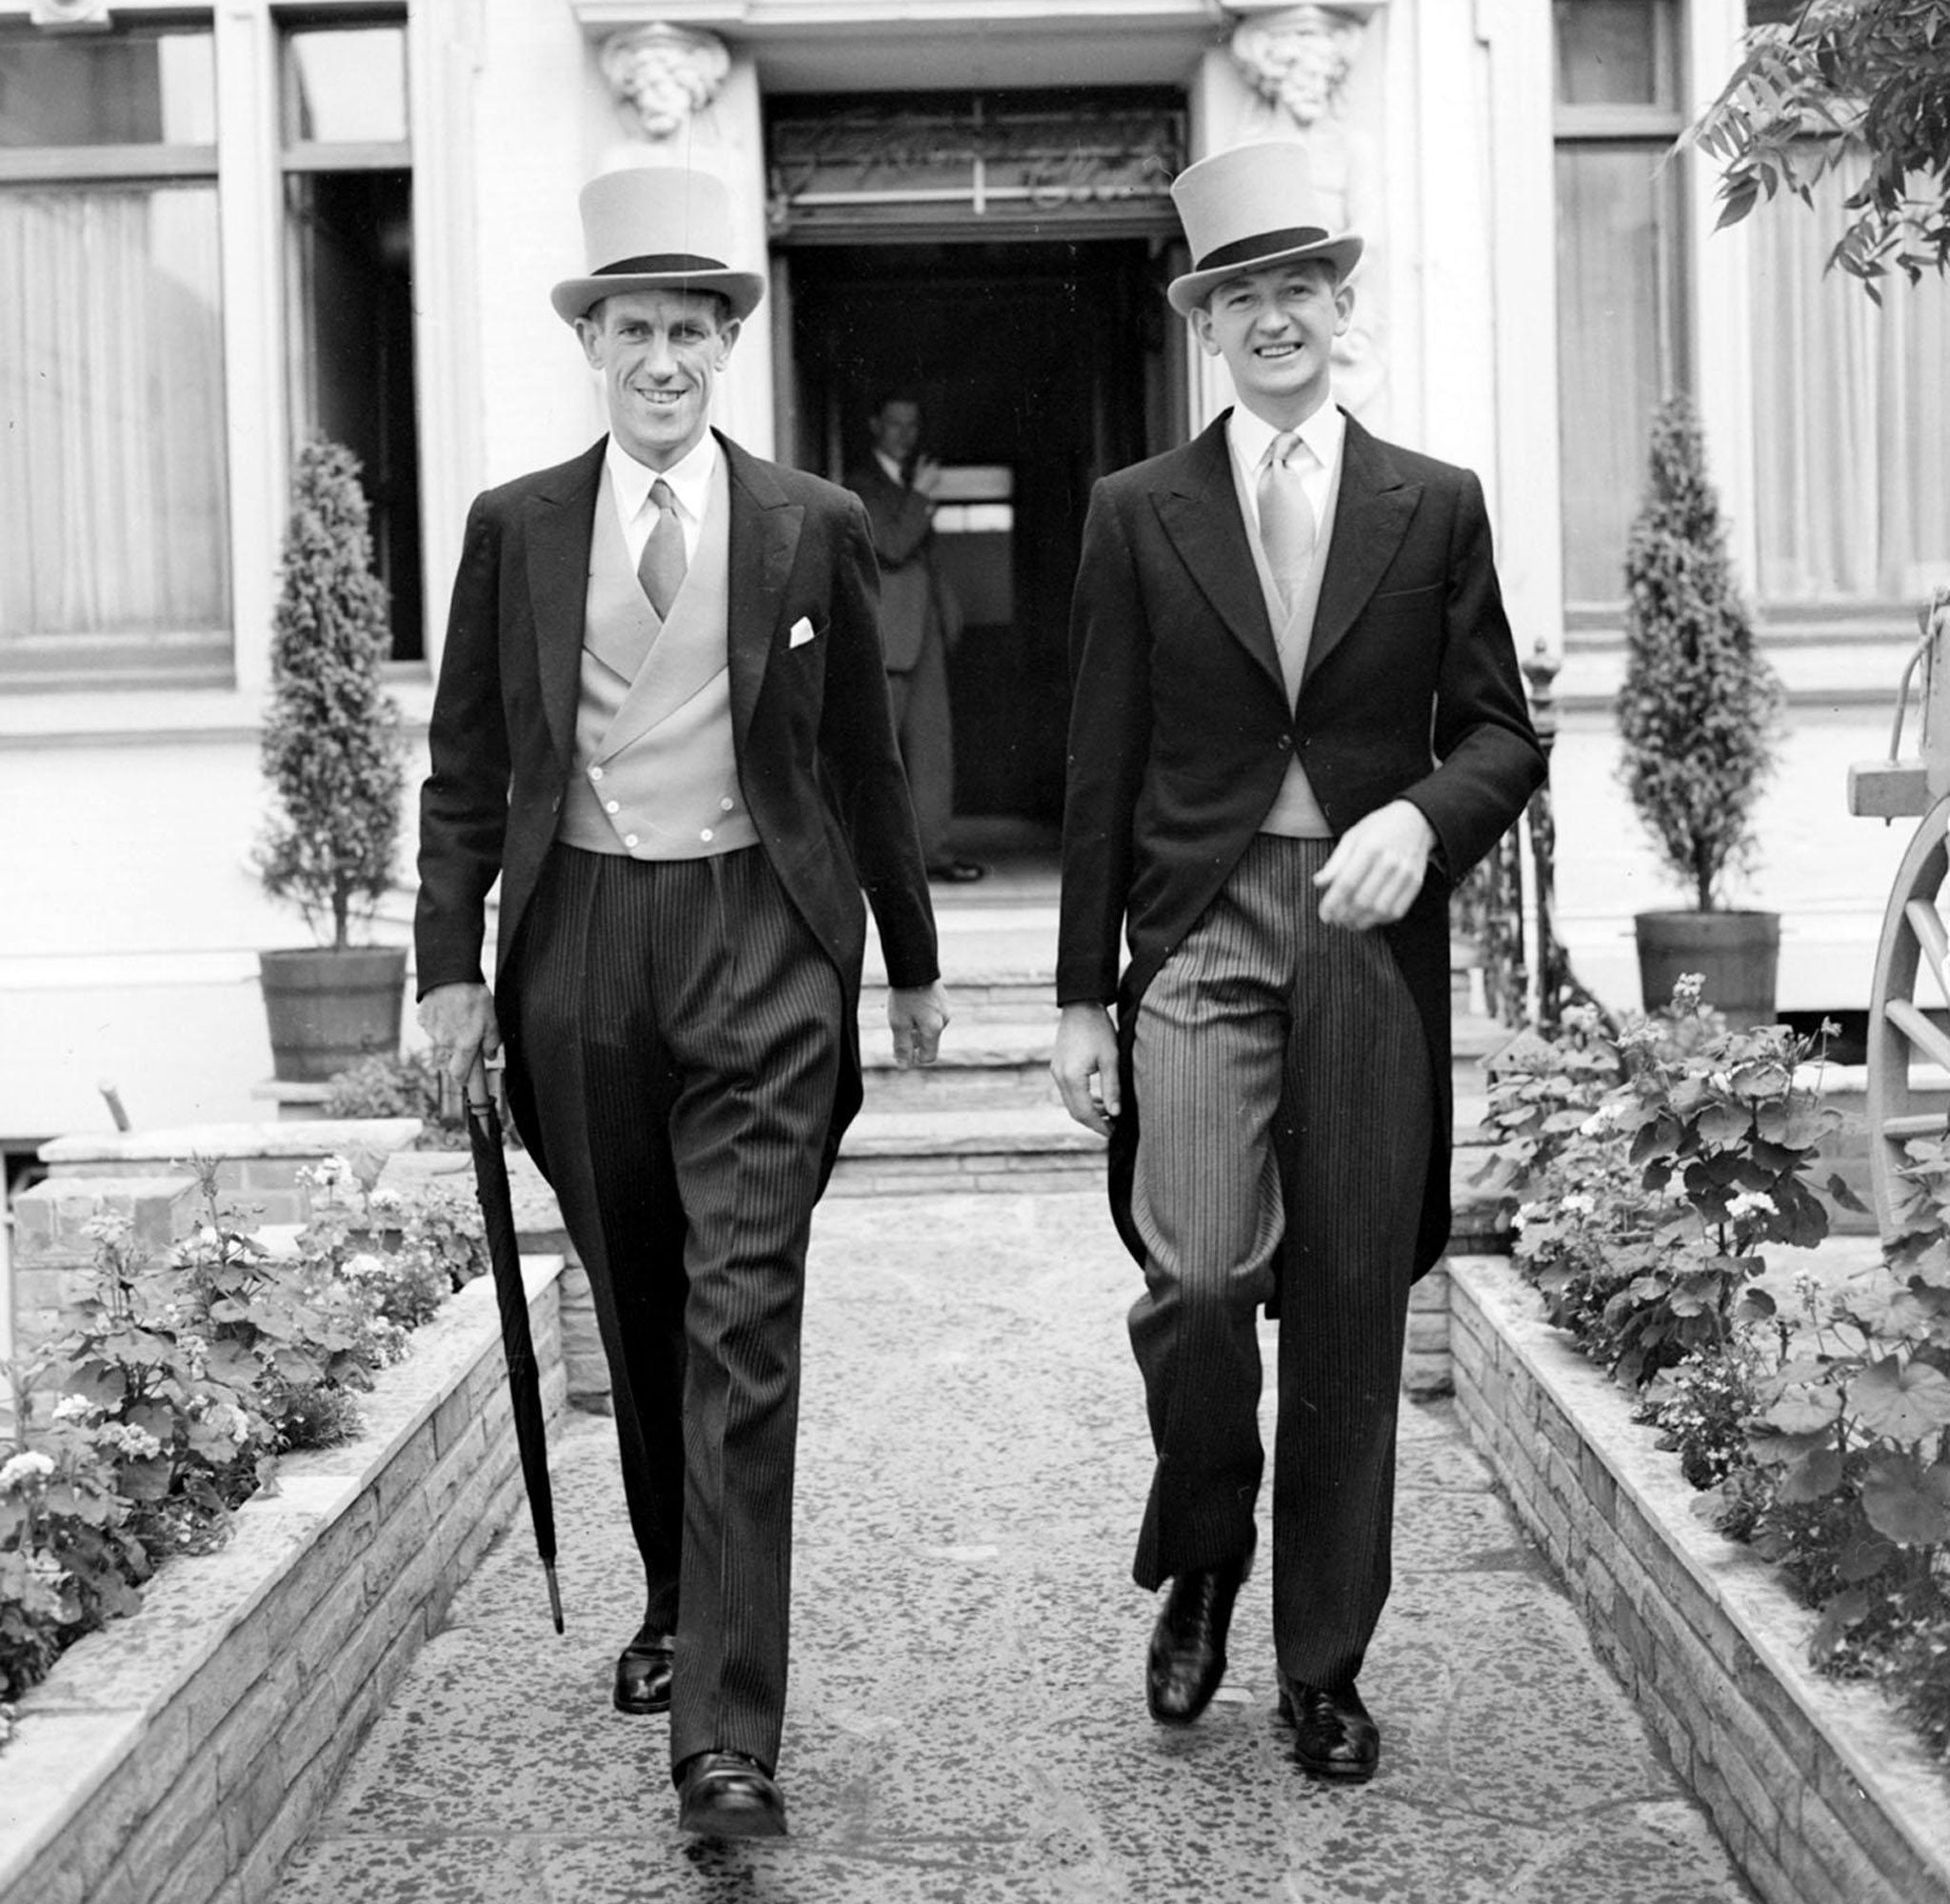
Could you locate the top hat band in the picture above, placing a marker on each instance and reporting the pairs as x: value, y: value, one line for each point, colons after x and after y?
x: 656, y: 262
x: 1261, y: 244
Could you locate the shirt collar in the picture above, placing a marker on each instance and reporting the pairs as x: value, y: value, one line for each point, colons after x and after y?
x: 1251, y: 436
x: 892, y: 465
x: 690, y: 478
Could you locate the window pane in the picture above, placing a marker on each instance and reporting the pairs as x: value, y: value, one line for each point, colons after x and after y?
x: 345, y: 86
x: 1608, y: 52
x: 351, y: 239
x: 1617, y: 332
x: 111, y: 373
x: 132, y: 89
x: 1850, y: 413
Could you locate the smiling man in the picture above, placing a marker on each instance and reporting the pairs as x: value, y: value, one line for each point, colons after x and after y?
x: 663, y: 724
x: 1297, y: 722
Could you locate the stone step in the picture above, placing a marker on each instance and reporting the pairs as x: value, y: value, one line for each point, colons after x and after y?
x: 1013, y: 1147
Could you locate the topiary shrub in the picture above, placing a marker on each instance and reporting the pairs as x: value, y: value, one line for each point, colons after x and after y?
x: 331, y: 741
x: 1701, y: 708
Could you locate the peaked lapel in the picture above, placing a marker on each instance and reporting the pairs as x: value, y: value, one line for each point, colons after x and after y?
x: 1370, y: 518
x: 1198, y: 507
x: 560, y: 526
x: 764, y: 541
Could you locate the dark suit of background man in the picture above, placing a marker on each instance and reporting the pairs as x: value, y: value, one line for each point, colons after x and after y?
x: 662, y: 721
x: 918, y: 622
x: 1297, y: 719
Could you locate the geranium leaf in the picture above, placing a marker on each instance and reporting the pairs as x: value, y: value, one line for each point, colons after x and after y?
x: 1901, y: 1404
x: 1902, y: 1512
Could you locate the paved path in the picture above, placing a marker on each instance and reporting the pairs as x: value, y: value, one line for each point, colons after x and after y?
x: 966, y: 1718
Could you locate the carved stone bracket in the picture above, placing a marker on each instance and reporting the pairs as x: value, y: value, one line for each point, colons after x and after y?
x: 69, y: 16
x: 662, y: 74
x: 1297, y: 58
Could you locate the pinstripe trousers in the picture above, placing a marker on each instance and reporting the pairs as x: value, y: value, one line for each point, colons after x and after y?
x: 1283, y: 1078
x: 677, y: 1030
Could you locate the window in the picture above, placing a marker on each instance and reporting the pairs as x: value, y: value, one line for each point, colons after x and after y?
x: 114, y: 543
x: 349, y: 213
x: 1850, y: 413
x: 1621, y: 282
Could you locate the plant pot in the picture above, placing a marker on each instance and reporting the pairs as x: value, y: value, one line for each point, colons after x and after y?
x: 329, y: 1009
x: 1737, y: 955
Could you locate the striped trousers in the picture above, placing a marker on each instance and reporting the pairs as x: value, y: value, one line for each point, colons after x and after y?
x: 1283, y: 1086
x: 677, y: 1035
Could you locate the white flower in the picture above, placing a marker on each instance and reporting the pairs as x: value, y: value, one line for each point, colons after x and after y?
x: 1576, y: 1203
x: 138, y: 1444
x: 1598, y: 1121
x: 383, y: 1199
x: 74, y: 1408
x: 364, y: 1267
x: 23, y: 1470
x: 1751, y: 1202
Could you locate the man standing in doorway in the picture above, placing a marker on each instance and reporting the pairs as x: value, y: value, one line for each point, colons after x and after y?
x: 1297, y: 720
x: 663, y: 724
x: 918, y: 620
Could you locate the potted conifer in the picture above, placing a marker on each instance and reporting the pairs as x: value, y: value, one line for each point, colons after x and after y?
x: 332, y: 753
x: 1699, y: 714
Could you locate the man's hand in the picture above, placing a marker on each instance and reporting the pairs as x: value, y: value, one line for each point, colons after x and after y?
x: 459, y: 1023
x: 1375, y: 868
x: 926, y: 477
x: 918, y: 1014
x: 1085, y: 1066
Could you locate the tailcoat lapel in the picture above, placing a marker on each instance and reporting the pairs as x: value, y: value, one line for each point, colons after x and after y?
x: 1370, y: 518
x: 764, y: 539
x: 560, y: 527
x: 1200, y: 513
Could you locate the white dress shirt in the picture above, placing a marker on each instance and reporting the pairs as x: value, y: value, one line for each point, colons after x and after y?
x: 1323, y: 434
x: 690, y: 484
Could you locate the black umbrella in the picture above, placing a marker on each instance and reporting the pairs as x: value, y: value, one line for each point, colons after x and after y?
x: 523, y: 1378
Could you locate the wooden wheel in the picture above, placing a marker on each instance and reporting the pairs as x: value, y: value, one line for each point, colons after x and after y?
x: 1911, y: 982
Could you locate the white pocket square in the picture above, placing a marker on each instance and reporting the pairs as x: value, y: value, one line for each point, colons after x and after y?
x: 802, y: 633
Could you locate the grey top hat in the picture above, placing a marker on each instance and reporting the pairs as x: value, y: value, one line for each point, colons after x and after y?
x: 1248, y: 208
x: 655, y: 227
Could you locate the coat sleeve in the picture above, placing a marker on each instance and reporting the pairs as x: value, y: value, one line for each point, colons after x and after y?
x: 1109, y: 746
x: 861, y: 761
x: 1488, y: 759
x: 901, y: 519
x: 464, y: 798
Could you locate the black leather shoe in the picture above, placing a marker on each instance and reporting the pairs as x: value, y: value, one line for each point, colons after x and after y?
x: 643, y: 1675
x: 1333, y: 1735
x: 958, y: 872
x: 1188, y: 1656
x: 729, y: 1794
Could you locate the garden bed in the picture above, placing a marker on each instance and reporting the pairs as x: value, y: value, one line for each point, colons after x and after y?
x: 1819, y: 1789
x: 176, y: 1756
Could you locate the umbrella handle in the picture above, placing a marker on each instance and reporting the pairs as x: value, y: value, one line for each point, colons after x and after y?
x: 486, y: 1088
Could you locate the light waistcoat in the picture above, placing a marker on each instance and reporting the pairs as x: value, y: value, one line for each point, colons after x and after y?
x: 1295, y: 813
x: 656, y: 772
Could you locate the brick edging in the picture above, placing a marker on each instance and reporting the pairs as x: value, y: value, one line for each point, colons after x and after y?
x: 175, y: 1756
x: 1819, y: 1789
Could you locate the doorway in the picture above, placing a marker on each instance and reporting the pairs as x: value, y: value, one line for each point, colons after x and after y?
x: 1039, y: 366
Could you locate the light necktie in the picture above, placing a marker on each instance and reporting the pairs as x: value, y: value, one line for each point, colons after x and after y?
x: 662, y: 565
x: 1287, y: 527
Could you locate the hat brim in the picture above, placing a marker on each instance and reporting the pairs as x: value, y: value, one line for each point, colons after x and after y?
x: 1187, y: 293
x: 742, y: 290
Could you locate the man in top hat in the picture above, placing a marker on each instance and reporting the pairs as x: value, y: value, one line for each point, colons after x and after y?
x: 1297, y: 720
x: 663, y: 724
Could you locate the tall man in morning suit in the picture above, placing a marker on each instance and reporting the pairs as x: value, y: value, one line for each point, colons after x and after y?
x: 1297, y: 720
x: 663, y: 724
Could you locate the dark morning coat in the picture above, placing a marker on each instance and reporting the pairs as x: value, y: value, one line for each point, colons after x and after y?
x: 1181, y: 727
x: 816, y: 754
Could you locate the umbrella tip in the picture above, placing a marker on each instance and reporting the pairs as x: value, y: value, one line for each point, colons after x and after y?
x: 554, y: 1594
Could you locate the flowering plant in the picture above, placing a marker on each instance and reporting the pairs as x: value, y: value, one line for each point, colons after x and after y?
x: 176, y: 1386
x: 1651, y: 1169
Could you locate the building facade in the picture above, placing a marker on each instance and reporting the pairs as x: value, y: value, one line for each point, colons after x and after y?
x: 224, y: 228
